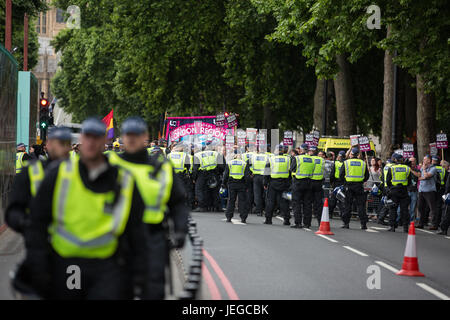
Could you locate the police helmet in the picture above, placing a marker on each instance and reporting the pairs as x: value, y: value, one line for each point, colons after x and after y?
x: 446, y: 198
x: 339, y: 193
x: 287, y: 195
x: 223, y: 193
x: 375, y: 190
x: 388, y: 203
x: 212, y: 182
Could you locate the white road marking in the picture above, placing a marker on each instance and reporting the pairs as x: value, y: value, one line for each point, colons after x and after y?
x: 433, y: 291
x: 279, y: 218
x: 325, y: 237
x: 307, y: 229
x: 447, y: 237
x: 390, y: 268
x: 425, y: 231
x: 370, y: 230
x: 379, y: 228
x: 356, y: 251
x: 236, y: 221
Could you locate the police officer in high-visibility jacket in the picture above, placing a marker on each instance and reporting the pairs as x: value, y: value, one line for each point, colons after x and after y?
x: 86, y: 220
x: 164, y: 200
x: 27, y: 182
x: 208, y: 166
x: 440, y: 186
x: 398, y: 179
x: 258, y: 165
x: 21, y: 157
x: 317, y: 183
x: 384, y: 210
x: 278, y: 182
x: 181, y: 163
x: 248, y: 156
x: 336, y: 182
x: 354, y: 172
x: 302, y: 168
x: 235, y: 179
x: 445, y: 224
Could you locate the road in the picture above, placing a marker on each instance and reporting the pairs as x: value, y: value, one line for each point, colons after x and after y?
x: 257, y: 261
x: 277, y: 262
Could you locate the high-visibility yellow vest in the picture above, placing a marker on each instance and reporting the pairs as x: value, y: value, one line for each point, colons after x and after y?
x: 177, y: 159
x: 36, y: 175
x: 354, y: 170
x: 19, y: 161
x: 155, y: 191
x: 337, y: 168
x: 259, y: 162
x: 191, y: 162
x: 279, y: 166
x: 400, y: 174
x: 74, y: 155
x: 305, y: 167
x: 385, y: 172
x: 237, y: 168
x: 87, y: 224
x: 318, y: 168
x: 207, y: 159
x: 441, y: 172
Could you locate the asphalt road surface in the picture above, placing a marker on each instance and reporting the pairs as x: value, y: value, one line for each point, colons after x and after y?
x: 257, y: 261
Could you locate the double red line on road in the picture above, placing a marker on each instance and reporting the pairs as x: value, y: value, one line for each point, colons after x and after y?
x: 212, y: 286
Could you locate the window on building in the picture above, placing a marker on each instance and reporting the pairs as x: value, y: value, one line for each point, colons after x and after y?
x: 44, y: 23
x: 60, y: 16
x: 38, y: 24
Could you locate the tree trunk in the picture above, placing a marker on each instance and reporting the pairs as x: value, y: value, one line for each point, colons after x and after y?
x: 410, y: 109
x: 344, y: 98
x: 388, y: 95
x: 318, y: 104
x: 425, y: 118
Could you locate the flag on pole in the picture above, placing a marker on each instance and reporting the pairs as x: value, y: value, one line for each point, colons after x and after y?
x: 108, y: 121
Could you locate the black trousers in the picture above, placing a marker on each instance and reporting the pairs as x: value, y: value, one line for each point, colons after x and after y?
x: 446, y: 218
x: 301, y: 201
x: 206, y: 196
x: 317, y: 194
x: 250, y: 196
x: 100, y: 279
x: 158, y: 259
x: 426, y: 199
x: 237, y: 192
x: 258, y: 192
x: 401, y: 198
x: 333, y: 202
x: 355, y: 193
x: 186, y: 186
x: 273, y: 196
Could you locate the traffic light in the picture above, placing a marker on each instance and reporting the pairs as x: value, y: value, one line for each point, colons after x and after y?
x: 44, y: 119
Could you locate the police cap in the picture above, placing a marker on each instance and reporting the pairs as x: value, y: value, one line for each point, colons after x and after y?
x: 60, y: 133
x: 135, y: 125
x: 93, y: 126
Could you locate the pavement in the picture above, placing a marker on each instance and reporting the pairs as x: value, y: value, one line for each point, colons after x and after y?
x: 11, y: 253
x: 277, y: 262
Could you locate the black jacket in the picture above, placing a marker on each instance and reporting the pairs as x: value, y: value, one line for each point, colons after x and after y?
x: 19, y: 199
x: 132, y: 243
x: 177, y: 210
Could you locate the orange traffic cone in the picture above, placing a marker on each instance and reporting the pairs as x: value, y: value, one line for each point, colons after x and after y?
x: 410, y: 263
x: 325, y: 220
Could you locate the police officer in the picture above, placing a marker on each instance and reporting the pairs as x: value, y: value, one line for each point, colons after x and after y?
x: 445, y: 224
x: 181, y: 163
x: 384, y: 210
x: 398, y: 179
x: 235, y: 179
x: 27, y: 182
x: 303, y: 168
x: 317, y: 183
x: 258, y: 165
x: 336, y: 181
x: 440, y: 187
x: 208, y: 166
x: 163, y: 196
x: 21, y: 157
x: 354, y: 172
x: 276, y: 183
x: 87, y: 213
x: 247, y: 157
